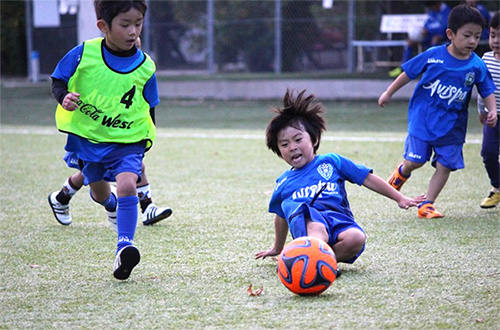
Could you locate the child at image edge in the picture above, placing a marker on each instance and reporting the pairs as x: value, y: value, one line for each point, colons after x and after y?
x: 310, y: 199
x: 111, y: 87
x: 491, y: 135
x: 438, y: 109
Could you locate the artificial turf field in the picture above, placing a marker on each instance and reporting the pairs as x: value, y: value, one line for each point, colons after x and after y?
x: 210, y: 164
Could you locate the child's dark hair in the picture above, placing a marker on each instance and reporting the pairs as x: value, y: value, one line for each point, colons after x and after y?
x: 464, y: 14
x: 107, y: 9
x: 303, y: 113
x: 495, y: 20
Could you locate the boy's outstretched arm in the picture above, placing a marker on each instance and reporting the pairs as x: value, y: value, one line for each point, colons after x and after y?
x: 399, y: 82
x: 280, y: 231
x: 491, y: 117
x: 377, y: 184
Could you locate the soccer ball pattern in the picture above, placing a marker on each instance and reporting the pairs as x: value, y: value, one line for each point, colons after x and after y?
x: 307, y: 266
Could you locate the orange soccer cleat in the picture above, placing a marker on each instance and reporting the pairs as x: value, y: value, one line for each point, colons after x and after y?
x: 428, y: 211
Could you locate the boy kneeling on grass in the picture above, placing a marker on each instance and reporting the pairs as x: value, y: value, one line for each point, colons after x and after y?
x: 310, y: 198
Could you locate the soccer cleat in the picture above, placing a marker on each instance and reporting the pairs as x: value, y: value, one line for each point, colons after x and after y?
x: 126, y: 259
x: 492, y: 200
x: 61, y: 211
x: 397, y: 180
x: 428, y: 211
x: 112, y: 214
x: 153, y: 214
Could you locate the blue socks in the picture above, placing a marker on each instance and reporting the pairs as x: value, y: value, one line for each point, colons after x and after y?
x: 109, y: 204
x: 127, y: 220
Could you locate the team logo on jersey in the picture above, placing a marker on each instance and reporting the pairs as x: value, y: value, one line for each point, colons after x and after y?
x: 450, y: 92
x: 469, y: 79
x: 325, y: 170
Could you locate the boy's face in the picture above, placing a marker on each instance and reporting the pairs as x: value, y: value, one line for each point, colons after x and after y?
x: 465, y: 41
x: 124, y: 31
x: 295, y: 146
x: 495, y: 40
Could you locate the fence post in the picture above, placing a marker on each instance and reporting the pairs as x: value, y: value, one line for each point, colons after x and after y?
x: 29, y: 37
x: 210, y: 36
x: 277, y: 38
x: 351, y: 34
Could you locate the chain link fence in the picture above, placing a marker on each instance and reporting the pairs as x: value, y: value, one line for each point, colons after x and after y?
x: 280, y: 36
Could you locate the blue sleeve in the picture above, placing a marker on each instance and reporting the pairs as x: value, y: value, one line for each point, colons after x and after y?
x: 276, y: 200
x: 416, y: 66
x: 151, y: 92
x: 350, y: 171
x: 67, y: 65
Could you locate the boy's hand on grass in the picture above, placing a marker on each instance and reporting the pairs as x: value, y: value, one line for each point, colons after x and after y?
x: 267, y: 253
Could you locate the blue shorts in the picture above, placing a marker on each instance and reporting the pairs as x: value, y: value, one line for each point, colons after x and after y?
x: 419, y: 151
x: 334, y: 222
x: 93, y: 172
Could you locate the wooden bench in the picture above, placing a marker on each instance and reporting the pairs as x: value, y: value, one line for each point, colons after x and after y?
x: 389, y: 24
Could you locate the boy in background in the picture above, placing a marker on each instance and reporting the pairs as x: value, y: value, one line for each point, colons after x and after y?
x: 433, y: 32
x: 491, y: 135
x: 438, y: 109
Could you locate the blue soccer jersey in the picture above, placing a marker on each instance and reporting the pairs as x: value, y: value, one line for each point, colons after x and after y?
x: 301, y: 186
x: 438, y: 108
x: 67, y: 66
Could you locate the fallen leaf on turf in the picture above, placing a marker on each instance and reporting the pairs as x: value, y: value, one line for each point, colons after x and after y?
x: 34, y: 266
x: 479, y: 320
x: 256, y: 293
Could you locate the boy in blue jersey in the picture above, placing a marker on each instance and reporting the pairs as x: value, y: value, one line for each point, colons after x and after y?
x: 59, y: 201
x: 310, y: 199
x: 105, y: 88
x: 438, y: 109
x: 433, y: 32
x: 491, y: 135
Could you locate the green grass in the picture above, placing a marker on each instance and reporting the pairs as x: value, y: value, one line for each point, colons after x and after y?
x: 196, y: 266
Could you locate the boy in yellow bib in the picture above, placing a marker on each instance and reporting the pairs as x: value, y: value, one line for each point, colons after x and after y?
x: 105, y: 88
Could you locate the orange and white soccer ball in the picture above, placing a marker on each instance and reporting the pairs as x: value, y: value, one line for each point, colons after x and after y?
x: 307, y: 266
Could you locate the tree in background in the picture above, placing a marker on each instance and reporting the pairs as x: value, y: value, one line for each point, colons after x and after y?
x: 13, y: 38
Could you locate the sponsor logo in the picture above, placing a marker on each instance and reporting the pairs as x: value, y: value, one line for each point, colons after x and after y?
x: 280, y: 183
x: 98, y: 115
x: 450, y: 93
x: 412, y: 155
x: 435, y: 60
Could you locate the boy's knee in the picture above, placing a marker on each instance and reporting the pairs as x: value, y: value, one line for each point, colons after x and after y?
x: 358, y: 239
x: 354, y: 240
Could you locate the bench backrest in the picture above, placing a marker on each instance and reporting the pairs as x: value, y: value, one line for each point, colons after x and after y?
x: 401, y: 23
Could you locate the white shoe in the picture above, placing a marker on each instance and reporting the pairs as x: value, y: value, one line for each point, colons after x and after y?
x: 153, y: 214
x: 126, y: 259
x: 61, y: 211
x: 112, y: 214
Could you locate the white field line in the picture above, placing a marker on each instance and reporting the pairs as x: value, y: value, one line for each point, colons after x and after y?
x: 51, y: 131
